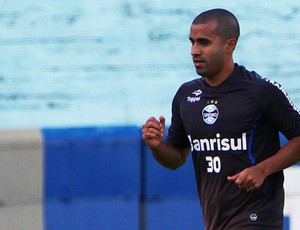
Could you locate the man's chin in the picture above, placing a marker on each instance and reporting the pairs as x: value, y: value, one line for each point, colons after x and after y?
x: 200, y: 73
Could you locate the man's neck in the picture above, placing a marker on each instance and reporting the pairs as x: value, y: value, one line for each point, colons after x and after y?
x: 221, y: 76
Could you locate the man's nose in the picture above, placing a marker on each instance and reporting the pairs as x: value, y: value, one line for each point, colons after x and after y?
x: 196, y: 49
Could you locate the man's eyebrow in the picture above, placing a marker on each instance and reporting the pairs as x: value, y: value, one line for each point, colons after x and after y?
x: 200, y: 40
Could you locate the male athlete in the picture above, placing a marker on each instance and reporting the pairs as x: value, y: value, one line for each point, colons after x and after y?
x: 229, y: 119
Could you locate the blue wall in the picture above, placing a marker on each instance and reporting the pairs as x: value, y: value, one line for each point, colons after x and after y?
x: 92, y: 178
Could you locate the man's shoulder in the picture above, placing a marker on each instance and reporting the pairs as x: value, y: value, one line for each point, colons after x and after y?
x: 254, y: 79
x: 247, y: 75
x: 264, y: 89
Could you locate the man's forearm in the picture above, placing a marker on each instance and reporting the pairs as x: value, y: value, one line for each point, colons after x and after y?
x: 286, y: 156
x: 170, y: 156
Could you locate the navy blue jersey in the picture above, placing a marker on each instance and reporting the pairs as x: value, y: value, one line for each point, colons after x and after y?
x: 231, y: 127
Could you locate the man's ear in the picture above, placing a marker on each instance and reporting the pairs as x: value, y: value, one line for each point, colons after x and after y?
x: 230, y: 45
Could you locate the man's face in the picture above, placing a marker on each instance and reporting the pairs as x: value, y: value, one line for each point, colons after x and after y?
x: 208, y: 50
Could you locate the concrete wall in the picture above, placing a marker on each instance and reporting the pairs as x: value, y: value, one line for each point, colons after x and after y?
x: 100, y: 178
x: 21, y: 179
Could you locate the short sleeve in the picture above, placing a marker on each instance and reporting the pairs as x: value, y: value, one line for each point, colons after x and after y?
x: 177, y: 135
x: 280, y: 110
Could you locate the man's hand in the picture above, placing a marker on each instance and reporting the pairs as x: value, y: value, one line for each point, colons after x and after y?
x: 249, y: 179
x: 153, y: 131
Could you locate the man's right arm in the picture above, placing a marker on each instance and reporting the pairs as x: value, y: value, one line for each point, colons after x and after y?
x: 164, y: 152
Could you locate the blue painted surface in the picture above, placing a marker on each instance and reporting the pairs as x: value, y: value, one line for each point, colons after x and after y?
x: 178, y: 213
x: 92, y: 178
x: 286, y: 225
x: 93, y: 214
x: 83, y: 161
x: 171, y: 197
x: 171, y: 183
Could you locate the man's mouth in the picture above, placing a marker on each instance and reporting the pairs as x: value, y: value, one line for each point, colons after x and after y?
x: 198, y: 62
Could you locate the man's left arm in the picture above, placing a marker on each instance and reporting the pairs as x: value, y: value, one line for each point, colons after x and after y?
x: 253, y: 177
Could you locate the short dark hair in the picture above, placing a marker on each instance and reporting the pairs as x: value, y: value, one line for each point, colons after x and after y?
x: 228, y: 25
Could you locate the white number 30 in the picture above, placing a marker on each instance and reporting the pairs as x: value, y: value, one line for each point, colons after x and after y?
x: 213, y: 164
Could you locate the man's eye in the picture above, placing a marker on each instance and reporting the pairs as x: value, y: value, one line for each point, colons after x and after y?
x: 205, y: 42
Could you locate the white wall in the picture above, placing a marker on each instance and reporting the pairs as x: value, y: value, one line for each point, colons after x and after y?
x: 21, y: 180
x: 292, y: 200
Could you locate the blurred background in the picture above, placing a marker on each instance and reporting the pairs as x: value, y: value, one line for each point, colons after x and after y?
x: 70, y: 63
x: 79, y: 78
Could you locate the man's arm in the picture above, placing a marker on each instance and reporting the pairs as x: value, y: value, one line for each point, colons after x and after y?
x: 252, y: 178
x: 164, y: 152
